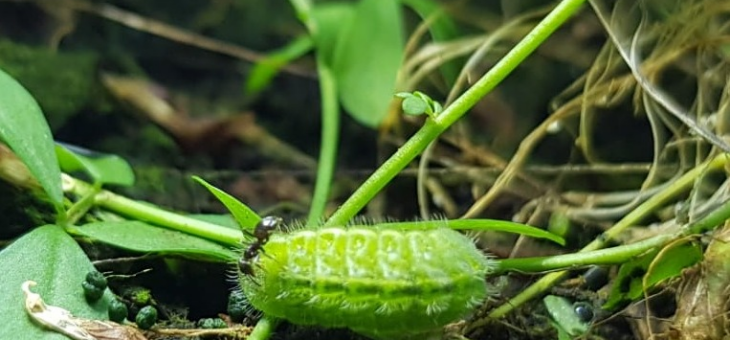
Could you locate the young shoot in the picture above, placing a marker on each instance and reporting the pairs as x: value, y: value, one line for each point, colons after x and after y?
x: 418, y: 103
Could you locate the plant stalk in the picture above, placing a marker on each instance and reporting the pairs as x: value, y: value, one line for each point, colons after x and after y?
x: 150, y: 213
x: 434, y: 127
x: 683, y: 184
x: 330, y: 136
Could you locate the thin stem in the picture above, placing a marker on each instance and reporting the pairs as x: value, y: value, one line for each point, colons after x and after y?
x: 153, y: 214
x: 434, y: 127
x: 681, y: 185
x: 329, y: 140
x: 718, y: 216
x: 421, y: 190
x: 386, y: 172
x: 615, y: 255
x: 81, y: 206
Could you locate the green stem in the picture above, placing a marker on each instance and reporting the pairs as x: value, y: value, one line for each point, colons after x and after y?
x: 153, y: 214
x: 263, y: 329
x: 330, y: 136
x: 615, y: 255
x: 81, y: 206
x: 434, y: 127
x: 679, y: 186
x: 712, y: 220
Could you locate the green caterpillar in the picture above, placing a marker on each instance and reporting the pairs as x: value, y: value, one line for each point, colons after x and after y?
x: 382, y: 283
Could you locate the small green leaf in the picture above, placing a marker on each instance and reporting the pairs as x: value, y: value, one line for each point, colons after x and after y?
x: 559, y: 223
x: 414, y: 105
x: 103, y: 168
x: 48, y: 256
x: 650, y: 269
x: 562, y: 333
x: 142, y: 237
x: 562, y: 312
x: 367, y: 57
x: 246, y: 218
x: 266, y: 69
x: 418, y: 103
x: 670, y: 262
x: 26, y: 132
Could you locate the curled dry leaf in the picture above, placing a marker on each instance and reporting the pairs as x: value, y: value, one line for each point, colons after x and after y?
x: 703, y: 297
x: 14, y: 171
x: 107, y: 330
x: 60, y: 320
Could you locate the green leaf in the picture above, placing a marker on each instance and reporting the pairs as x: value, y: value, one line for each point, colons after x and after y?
x: 48, y: 256
x: 103, y: 168
x: 266, y: 69
x: 329, y: 19
x: 418, y: 103
x: 628, y: 281
x: 367, y: 58
x: 26, y: 132
x: 562, y: 312
x: 652, y: 269
x: 142, y: 237
x: 670, y: 262
x: 246, y: 218
x: 223, y: 220
x: 559, y: 223
x: 413, y: 105
x: 478, y: 225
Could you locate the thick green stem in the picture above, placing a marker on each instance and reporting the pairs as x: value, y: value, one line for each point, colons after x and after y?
x: 153, y: 214
x: 615, y: 255
x: 263, y: 329
x: 712, y: 220
x: 434, y: 127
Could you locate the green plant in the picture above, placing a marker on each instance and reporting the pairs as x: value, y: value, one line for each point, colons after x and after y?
x: 211, y: 323
x: 153, y: 230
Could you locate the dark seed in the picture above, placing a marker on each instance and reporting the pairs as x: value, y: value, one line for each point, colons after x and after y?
x: 584, y: 311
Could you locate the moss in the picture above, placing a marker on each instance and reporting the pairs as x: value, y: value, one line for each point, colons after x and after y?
x: 63, y: 83
x: 21, y: 211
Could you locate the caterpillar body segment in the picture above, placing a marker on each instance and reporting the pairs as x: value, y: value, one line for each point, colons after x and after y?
x: 383, y: 283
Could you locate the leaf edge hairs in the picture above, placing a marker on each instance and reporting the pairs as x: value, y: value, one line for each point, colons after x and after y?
x: 382, y: 283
